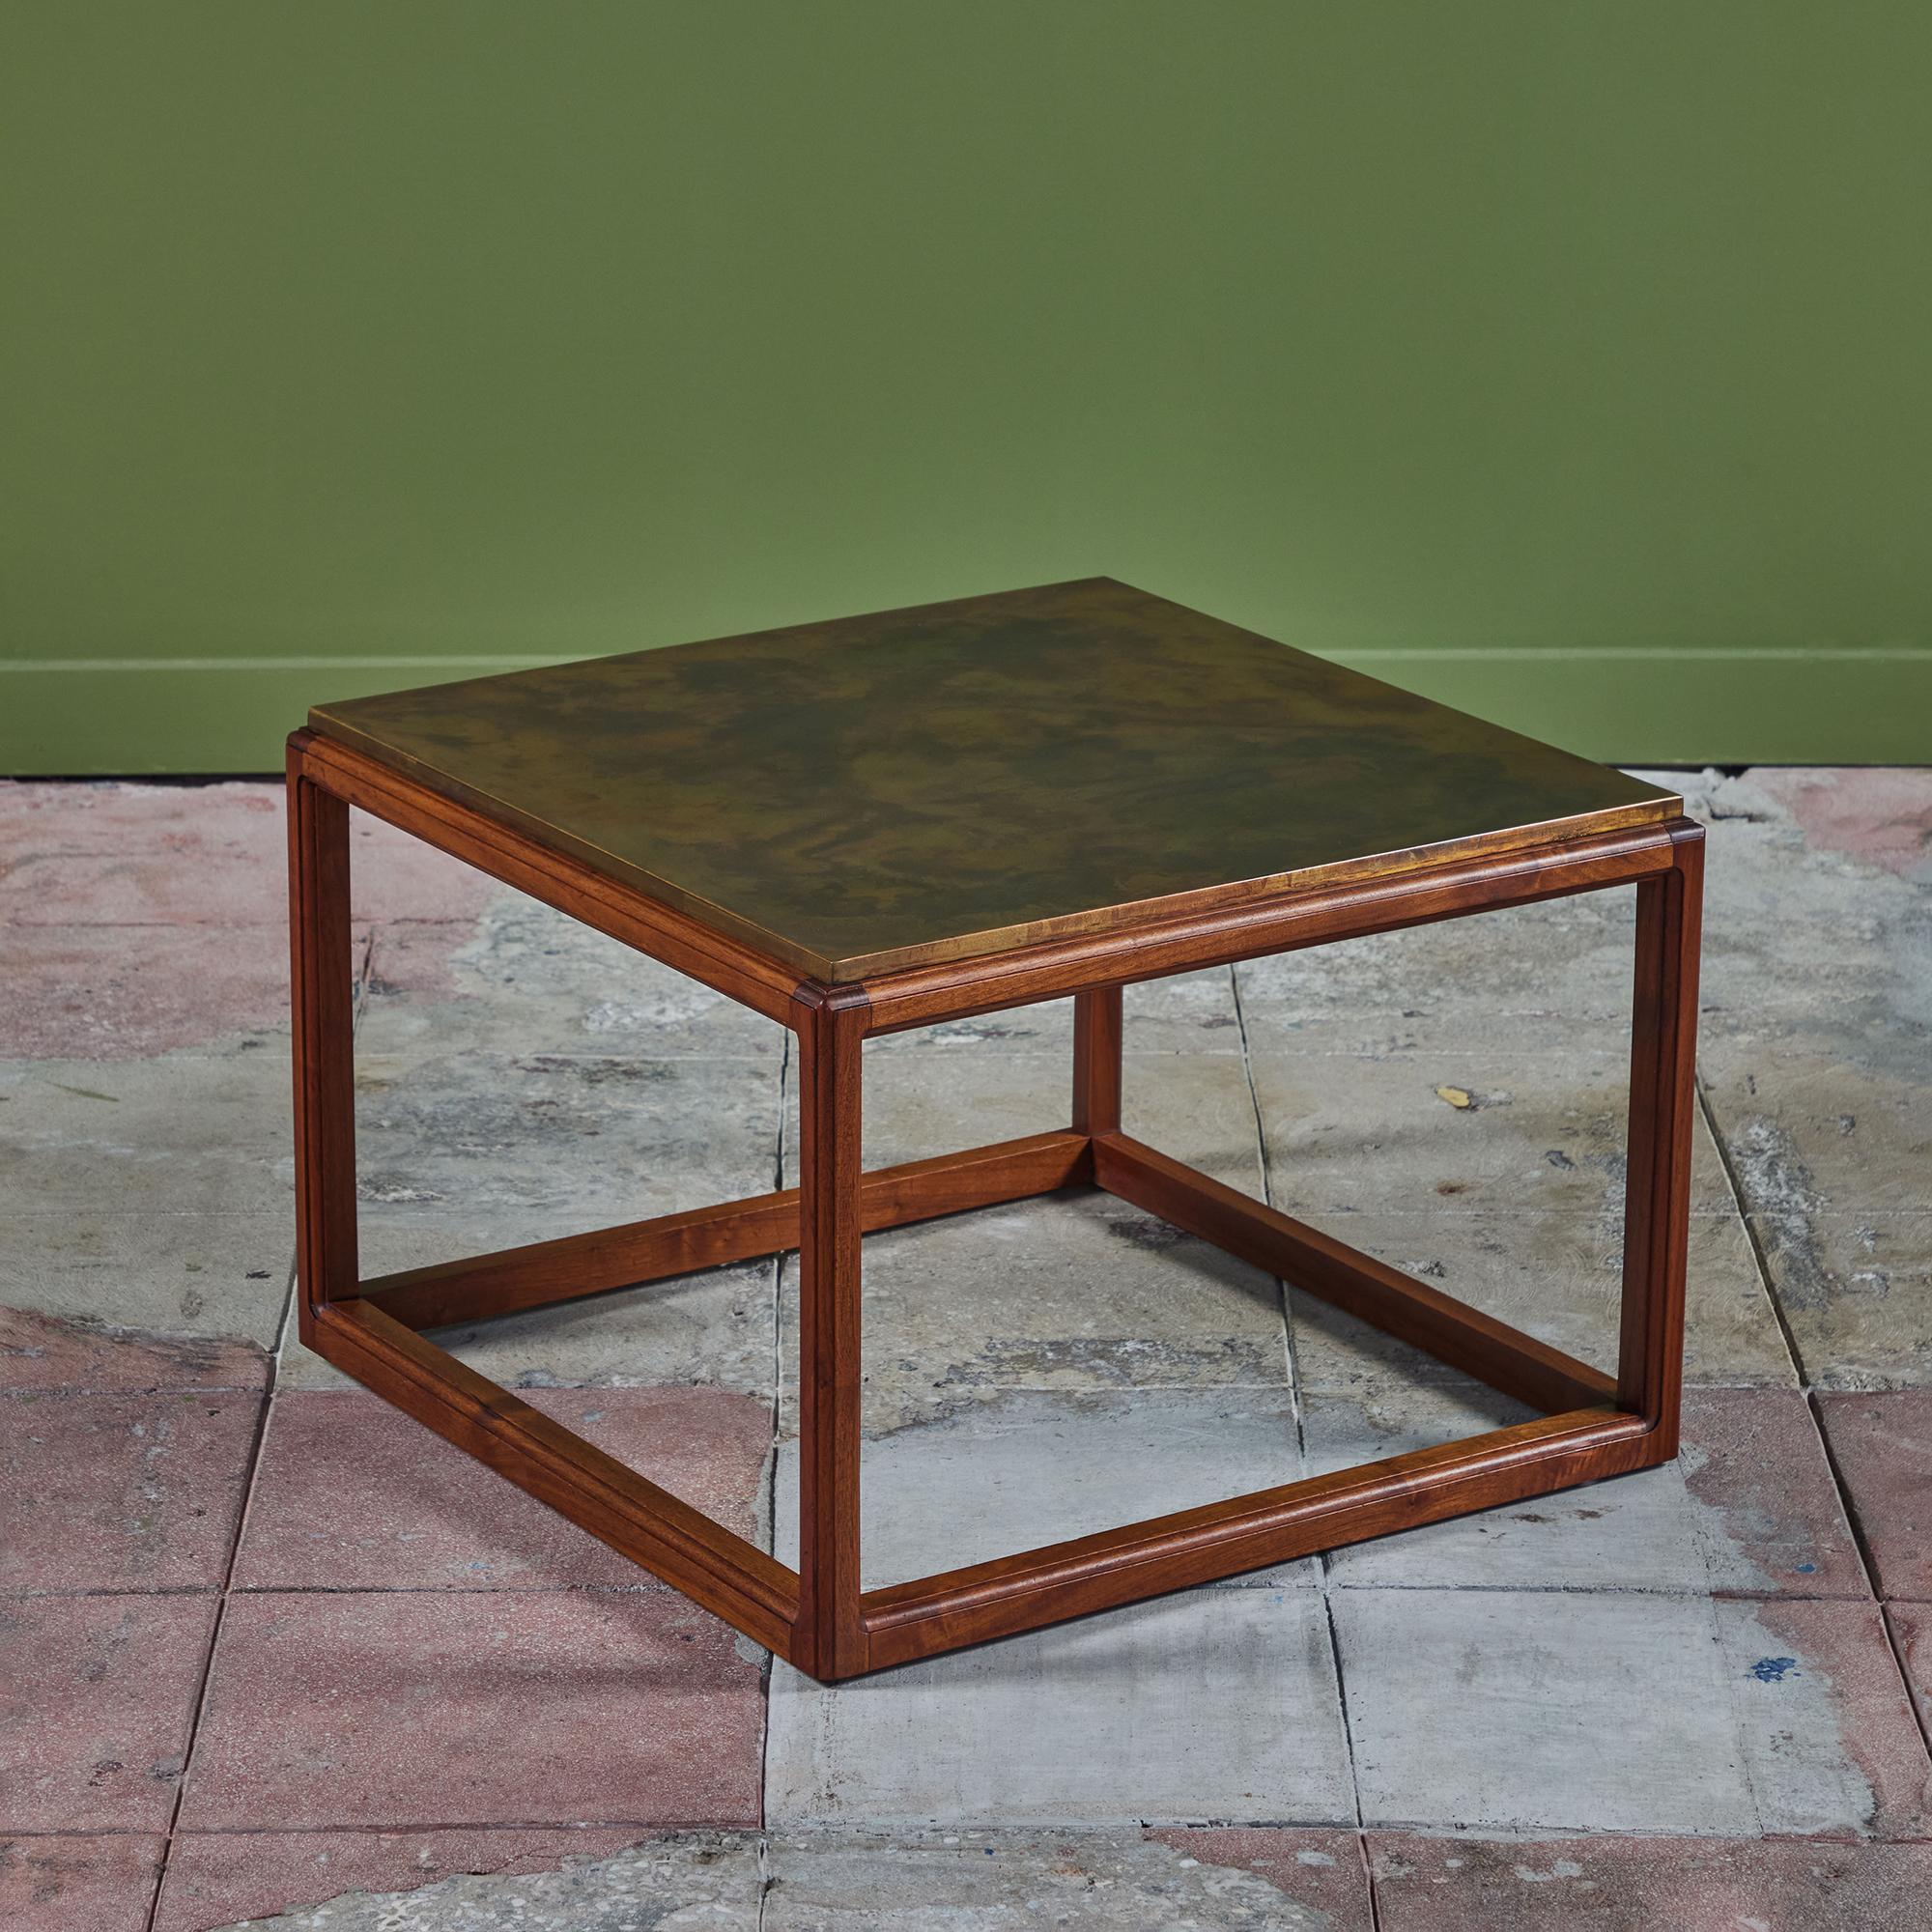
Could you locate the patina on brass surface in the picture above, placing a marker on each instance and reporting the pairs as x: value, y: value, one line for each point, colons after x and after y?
x: 955, y: 779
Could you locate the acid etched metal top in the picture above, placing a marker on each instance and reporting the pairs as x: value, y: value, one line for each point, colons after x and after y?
x: 955, y: 779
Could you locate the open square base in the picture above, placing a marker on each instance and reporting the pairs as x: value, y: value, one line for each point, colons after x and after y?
x: 1583, y: 1435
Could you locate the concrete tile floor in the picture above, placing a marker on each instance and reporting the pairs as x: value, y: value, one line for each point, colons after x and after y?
x: 269, y: 1649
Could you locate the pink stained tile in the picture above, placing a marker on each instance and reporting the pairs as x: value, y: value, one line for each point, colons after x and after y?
x: 130, y: 992
x: 1883, y: 1446
x: 100, y: 1700
x: 1911, y: 1624
x: 77, y: 1884
x: 217, y: 1877
x: 1877, y: 813
x: 1648, y: 1884
x: 174, y: 883
x: 417, y: 956
x: 92, y: 854
x: 354, y: 1494
x: 45, y: 1355
x: 122, y: 1492
x: 144, y: 889
x: 1848, y: 1643
x: 88, y: 853
x: 1322, y: 1871
x: 400, y: 1707
x: 1753, y: 1455
x: 394, y: 876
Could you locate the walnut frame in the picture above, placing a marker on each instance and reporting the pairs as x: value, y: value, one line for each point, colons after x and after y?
x: 818, y: 1617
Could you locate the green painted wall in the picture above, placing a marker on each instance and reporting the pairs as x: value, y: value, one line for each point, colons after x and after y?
x: 1570, y: 360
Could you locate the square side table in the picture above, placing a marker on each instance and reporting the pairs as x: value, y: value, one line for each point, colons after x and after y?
x: 859, y: 827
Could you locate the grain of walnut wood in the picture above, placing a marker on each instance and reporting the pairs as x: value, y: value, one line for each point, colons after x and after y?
x: 818, y: 1616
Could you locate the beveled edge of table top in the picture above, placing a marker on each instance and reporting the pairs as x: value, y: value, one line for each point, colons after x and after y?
x: 1376, y: 869
x: 991, y: 942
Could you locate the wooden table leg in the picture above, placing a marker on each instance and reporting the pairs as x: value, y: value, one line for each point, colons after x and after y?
x: 1097, y: 1061
x: 831, y: 1640
x: 1663, y: 1099
x: 321, y: 982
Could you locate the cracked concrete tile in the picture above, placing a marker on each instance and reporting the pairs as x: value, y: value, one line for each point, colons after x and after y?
x: 1748, y: 1508
x: 1526, y: 1712
x: 1457, y: 1133
x: 66, y: 1883
x: 714, y: 1329
x: 597, y: 1140
x: 1541, y: 979
x: 1186, y: 1012
x: 149, y: 1194
x: 473, y: 1156
x: 1322, y: 1871
x: 1809, y: 1135
x: 100, y: 1698
x: 1045, y: 1028
x: 1198, y: 1110
x: 674, y: 1883
x: 1857, y: 1291
x: 1642, y: 1885
x: 1817, y: 1056
x: 517, y: 979
x: 1004, y: 1881
x: 1882, y: 1444
x: 1021, y: 1469
x: 201, y: 1133
x: 215, y: 1878
x: 1513, y: 1202
x: 915, y: 1105
x: 817, y: 1881
x: 1075, y: 1292
x: 43, y: 1354
x: 1820, y: 1092
x: 1806, y: 942
x: 395, y: 879
x: 354, y: 1494
x: 122, y: 1493
x: 1554, y: 1277
x: 388, y: 1709
x: 1218, y: 1704
x: 194, y: 1280
x: 105, y: 993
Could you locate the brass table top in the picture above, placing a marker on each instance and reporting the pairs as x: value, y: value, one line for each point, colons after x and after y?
x: 955, y: 779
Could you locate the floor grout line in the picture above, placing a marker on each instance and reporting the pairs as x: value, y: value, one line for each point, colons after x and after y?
x: 1369, y: 1879
x: 1119, y: 1829
x: 1734, y: 1181
x: 1323, y: 1567
x: 363, y: 966
x: 1846, y: 1500
x: 1848, y: 1503
x: 200, y: 1707
x: 1921, y: 1717
x: 765, y: 1881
